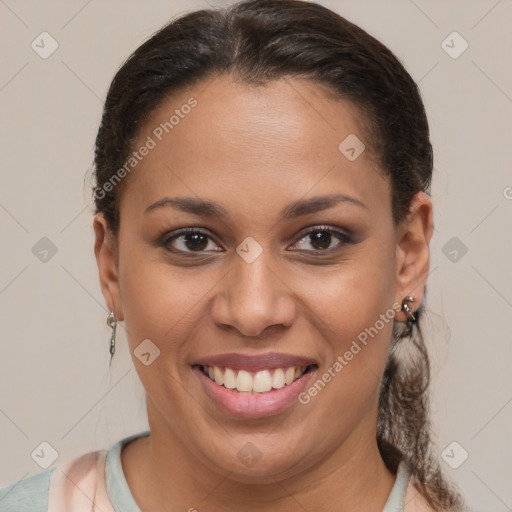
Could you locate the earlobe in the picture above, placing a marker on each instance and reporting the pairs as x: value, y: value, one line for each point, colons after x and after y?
x: 105, y: 252
x: 412, y: 252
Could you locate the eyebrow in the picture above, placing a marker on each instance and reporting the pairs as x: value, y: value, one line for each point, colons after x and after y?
x: 298, y: 208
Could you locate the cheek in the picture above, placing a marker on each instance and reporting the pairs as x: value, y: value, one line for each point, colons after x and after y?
x: 158, y: 298
x: 352, y: 296
x: 344, y: 390
x: 356, y: 319
x: 354, y: 310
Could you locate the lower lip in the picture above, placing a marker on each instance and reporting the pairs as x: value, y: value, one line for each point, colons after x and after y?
x: 254, y: 405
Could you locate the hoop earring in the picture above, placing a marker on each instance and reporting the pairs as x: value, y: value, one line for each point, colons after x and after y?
x: 112, y: 323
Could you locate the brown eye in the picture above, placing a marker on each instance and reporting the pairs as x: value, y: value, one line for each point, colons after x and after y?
x: 190, y: 241
x: 321, y: 239
x: 195, y: 241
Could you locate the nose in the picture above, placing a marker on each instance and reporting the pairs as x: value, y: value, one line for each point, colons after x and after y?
x: 253, y: 297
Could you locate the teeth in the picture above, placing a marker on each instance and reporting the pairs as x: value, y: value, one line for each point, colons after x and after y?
x: 259, y: 382
x: 229, y: 379
x: 262, y: 382
x: 244, y: 381
x: 217, y: 375
x: 278, y: 379
x: 289, y: 375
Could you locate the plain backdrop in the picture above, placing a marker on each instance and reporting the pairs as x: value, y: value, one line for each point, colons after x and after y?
x: 56, y: 385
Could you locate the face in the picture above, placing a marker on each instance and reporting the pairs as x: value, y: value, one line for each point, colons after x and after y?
x: 293, y: 262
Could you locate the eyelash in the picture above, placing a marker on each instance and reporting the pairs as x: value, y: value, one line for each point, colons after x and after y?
x: 343, y: 238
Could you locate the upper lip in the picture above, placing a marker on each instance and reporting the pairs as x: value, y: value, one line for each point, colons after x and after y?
x: 254, y: 363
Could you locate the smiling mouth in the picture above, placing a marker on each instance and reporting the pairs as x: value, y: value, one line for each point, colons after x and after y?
x: 262, y: 381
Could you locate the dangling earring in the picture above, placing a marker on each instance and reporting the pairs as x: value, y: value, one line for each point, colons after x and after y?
x: 411, y: 320
x: 112, y: 323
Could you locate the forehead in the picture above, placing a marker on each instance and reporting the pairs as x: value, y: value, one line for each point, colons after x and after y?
x: 253, y: 143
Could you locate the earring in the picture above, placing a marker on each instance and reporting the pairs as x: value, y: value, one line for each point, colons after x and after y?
x: 410, y: 313
x: 112, y: 323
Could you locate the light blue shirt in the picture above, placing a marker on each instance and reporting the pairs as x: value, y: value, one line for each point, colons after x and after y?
x: 31, y: 494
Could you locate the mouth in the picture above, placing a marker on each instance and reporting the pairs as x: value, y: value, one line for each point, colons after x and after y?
x: 254, y: 386
x: 263, y: 381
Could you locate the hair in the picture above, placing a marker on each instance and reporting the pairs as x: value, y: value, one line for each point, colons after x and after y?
x: 257, y: 42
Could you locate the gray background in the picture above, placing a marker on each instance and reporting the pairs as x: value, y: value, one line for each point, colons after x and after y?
x: 56, y: 386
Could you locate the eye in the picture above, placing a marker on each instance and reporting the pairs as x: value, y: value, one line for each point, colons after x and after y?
x: 190, y: 240
x: 321, y: 238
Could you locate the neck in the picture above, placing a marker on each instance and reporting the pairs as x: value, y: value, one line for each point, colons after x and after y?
x: 351, y: 476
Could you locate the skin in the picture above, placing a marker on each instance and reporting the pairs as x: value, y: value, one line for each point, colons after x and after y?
x: 254, y: 151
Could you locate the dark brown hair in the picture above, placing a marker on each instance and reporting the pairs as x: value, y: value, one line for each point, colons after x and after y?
x: 258, y: 41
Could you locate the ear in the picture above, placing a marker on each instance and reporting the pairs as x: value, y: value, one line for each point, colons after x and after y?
x: 105, y: 251
x: 412, y: 252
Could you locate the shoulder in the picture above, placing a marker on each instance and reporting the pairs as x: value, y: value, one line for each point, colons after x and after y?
x: 405, y: 495
x: 28, y: 494
x: 414, y: 500
x: 78, y: 485
x: 67, y: 487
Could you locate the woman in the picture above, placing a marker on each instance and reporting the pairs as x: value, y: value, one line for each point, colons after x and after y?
x: 262, y: 227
